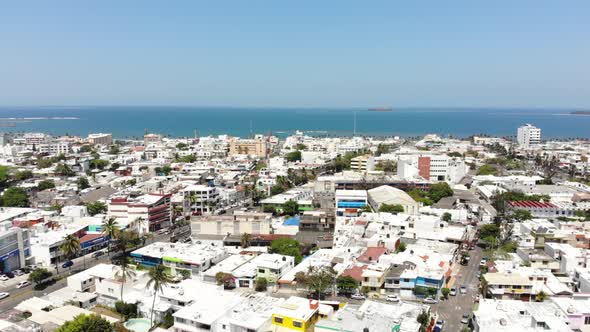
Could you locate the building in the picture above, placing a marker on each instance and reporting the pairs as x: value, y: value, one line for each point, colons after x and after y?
x: 350, y: 202
x: 253, y: 147
x: 509, y: 286
x: 147, y: 213
x: 15, y: 248
x: 100, y: 139
x: 199, y: 199
x: 35, y: 139
x: 362, y: 163
x: 431, y: 167
x: 528, y: 135
x: 295, y: 314
x: 151, y: 139
x: 518, y: 316
x: 239, y: 223
x: 55, y: 148
x: 392, y: 196
x: 194, y: 258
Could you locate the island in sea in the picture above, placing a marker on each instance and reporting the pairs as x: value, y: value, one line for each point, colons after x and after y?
x: 580, y: 112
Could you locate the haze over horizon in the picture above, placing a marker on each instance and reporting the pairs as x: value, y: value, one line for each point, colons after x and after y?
x: 338, y: 54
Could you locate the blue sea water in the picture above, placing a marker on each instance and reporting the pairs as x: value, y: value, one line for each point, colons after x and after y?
x: 129, y: 122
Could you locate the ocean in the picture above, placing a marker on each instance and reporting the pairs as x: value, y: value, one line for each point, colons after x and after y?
x: 132, y: 122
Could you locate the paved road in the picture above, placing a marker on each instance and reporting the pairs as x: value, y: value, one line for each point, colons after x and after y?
x: 80, y: 264
x: 452, y: 309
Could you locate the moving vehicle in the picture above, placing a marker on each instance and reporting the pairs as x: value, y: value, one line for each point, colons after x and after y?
x: 429, y: 300
x: 3, y: 277
x: 453, y: 291
x: 67, y: 264
x: 392, y: 298
x: 19, y: 273
x: 463, y: 290
x: 4, y: 295
x: 357, y: 296
x: 23, y: 284
x: 97, y: 254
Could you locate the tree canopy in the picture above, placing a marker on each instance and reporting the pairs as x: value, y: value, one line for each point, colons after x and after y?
x: 291, y: 208
x: 391, y: 208
x: 15, y: 197
x: 487, y: 170
x: 87, y: 323
x: 287, y: 247
x: 46, y: 184
x: 96, y: 208
x: 293, y: 156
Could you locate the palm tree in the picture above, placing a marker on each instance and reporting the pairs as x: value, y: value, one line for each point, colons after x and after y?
x: 542, y: 296
x: 110, y: 229
x: 158, y: 279
x: 70, y: 246
x: 245, y: 240
x: 122, y: 273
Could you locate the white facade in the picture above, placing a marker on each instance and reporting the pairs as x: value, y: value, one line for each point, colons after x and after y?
x: 528, y: 135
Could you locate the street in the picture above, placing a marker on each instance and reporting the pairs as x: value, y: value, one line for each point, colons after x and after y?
x: 452, y: 309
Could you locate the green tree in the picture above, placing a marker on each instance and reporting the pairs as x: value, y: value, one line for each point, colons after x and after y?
x: 447, y: 217
x: 391, y: 208
x: 44, y: 163
x: 261, y: 284
x: 346, y: 284
x: 521, y: 215
x: 181, y: 146
x: 454, y: 154
x: 64, y: 170
x: 85, y: 148
x: 387, y: 166
x: 46, y: 184
x: 158, y: 279
x: 110, y: 230
x: 300, y: 146
x: 15, y: 197
x: 96, y: 207
x: 541, y: 296
x: 293, y: 156
x: 114, y: 149
x: 319, y: 278
x: 23, y: 175
x: 402, y: 247
x: 487, y: 169
x: 291, y: 208
x: 127, y: 240
x: 87, y: 323
x: 83, y: 183
x: 439, y: 190
x: 489, y: 230
x: 445, y: 292
x: 287, y: 247
x: 70, y: 246
x: 127, y: 310
x: 245, y: 240
x: 123, y: 273
x: 39, y: 275
x: 4, y: 176
x: 98, y: 164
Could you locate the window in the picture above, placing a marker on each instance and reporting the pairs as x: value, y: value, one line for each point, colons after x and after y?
x: 587, y: 320
x: 297, y: 324
x: 261, y: 270
x: 278, y: 320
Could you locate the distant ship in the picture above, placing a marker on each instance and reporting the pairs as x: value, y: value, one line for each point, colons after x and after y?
x: 380, y: 109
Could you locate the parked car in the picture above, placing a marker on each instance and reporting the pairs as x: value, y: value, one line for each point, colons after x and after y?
x: 463, y: 290
x: 483, y: 262
x: 477, y: 299
x: 9, y: 274
x: 4, y: 295
x: 19, y: 273
x: 67, y: 264
x: 430, y: 300
x: 357, y: 296
x: 97, y: 254
x: 23, y: 284
x: 465, y: 319
x: 440, y: 323
x: 162, y: 231
x: 453, y: 291
x: 3, y: 277
x: 392, y: 298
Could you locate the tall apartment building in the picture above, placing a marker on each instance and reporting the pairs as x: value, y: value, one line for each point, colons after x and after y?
x: 147, y: 213
x: 15, y: 247
x: 253, y: 147
x: 528, y: 135
x: 55, y: 148
x: 199, y: 199
x: 362, y: 163
x: 100, y: 138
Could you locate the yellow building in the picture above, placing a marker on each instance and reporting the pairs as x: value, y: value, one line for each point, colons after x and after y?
x: 253, y: 147
x: 295, y: 314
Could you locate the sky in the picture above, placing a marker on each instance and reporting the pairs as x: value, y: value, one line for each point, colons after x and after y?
x: 296, y: 53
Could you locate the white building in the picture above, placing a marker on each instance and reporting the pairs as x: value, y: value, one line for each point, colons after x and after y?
x: 100, y: 138
x: 528, y: 135
x: 200, y: 199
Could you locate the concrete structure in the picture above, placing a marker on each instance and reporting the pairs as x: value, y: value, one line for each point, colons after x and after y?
x: 199, y: 199
x: 236, y: 224
x: 350, y: 202
x: 518, y: 316
x: 392, y: 196
x: 432, y: 167
x: 15, y: 248
x: 147, y: 213
x: 528, y: 135
x: 362, y: 163
x: 100, y: 139
x: 253, y: 147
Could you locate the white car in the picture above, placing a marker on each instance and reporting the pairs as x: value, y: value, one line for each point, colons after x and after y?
x: 4, y: 295
x: 18, y: 273
x: 430, y: 300
x: 463, y: 290
x: 3, y: 277
x: 483, y: 262
x: 23, y: 284
x: 392, y: 298
x: 357, y: 296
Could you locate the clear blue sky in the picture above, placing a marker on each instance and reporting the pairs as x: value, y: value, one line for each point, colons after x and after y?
x: 298, y: 53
